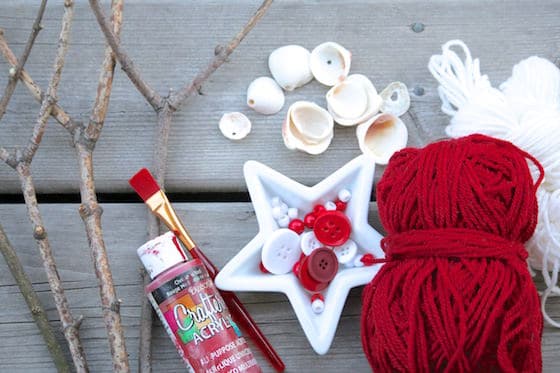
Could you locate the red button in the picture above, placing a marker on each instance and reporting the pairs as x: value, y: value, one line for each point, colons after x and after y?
x: 318, y: 269
x: 322, y: 265
x: 332, y: 228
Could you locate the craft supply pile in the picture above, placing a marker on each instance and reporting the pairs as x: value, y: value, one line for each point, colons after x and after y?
x: 448, y: 288
x: 313, y: 245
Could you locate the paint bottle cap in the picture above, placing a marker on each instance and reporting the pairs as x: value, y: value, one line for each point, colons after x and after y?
x: 160, y: 254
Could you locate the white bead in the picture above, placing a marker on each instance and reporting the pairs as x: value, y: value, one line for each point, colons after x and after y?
x: 275, y: 201
x: 358, y: 261
x: 330, y: 206
x: 284, y: 208
x: 283, y: 221
x: 292, y: 212
x: 344, y: 195
x: 318, y: 306
x: 277, y: 212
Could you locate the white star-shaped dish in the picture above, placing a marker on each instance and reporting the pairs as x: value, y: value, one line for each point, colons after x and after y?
x: 242, y: 272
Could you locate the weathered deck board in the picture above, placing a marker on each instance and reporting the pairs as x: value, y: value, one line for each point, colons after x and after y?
x: 237, y: 225
x: 169, y: 40
x: 178, y: 37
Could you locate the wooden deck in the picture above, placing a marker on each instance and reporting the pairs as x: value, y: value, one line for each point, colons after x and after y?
x: 169, y: 41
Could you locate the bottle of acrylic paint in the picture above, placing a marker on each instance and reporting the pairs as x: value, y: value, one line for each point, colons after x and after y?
x: 192, y: 310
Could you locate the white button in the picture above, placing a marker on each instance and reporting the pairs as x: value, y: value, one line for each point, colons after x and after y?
x: 330, y: 206
x: 358, y: 261
x: 318, y: 306
x: 309, y: 242
x: 292, y: 213
x: 283, y: 221
x: 344, y: 195
x: 275, y: 201
x: 346, y: 252
x: 284, y: 208
x: 281, y: 251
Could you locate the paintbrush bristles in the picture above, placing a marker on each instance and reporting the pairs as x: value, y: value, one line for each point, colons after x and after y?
x: 144, y: 184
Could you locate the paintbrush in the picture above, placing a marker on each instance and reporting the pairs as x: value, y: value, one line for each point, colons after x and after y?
x: 147, y: 188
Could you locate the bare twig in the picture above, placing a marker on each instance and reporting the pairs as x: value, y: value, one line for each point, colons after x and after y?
x: 56, y: 112
x: 222, y: 53
x: 70, y: 325
x: 84, y: 140
x: 14, y: 74
x: 90, y: 211
x: 153, y: 98
x: 21, y: 162
x: 165, y: 107
x: 50, y: 98
x: 33, y: 303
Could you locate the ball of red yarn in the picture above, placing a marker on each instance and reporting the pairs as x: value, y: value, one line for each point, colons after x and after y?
x: 455, y: 294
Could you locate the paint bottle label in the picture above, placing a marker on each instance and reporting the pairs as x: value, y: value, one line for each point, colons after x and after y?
x: 197, y: 320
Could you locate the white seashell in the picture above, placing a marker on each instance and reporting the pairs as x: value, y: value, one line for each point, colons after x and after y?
x: 382, y: 136
x: 353, y: 101
x: 265, y: 96
x: 289, y: 66
x: 330, y: 63
x: 307, y: 127
x: 400, y: 104
x: 235, y: 126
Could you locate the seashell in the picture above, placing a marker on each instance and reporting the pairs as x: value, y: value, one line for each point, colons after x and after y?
x: 235, y: 126
x: 289, y: 66
x: 308, y: 127
x: 330, y: 63
x: 382, y: 136
x: 353, y: 101
x: 400, y: 104
x: 265, y: 96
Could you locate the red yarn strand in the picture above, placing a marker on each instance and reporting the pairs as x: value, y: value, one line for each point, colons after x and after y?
x: 455, y: 294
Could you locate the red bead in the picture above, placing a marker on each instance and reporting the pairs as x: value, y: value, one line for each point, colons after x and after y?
x: 262, y: 268
x: 368, y: 259
x: 332, y: 228
x: 295, y: 268
x: 318, y: 296
x: 309, y: 220
x: 340, y: 206
x: 319, y: 209
x: 297, y: 226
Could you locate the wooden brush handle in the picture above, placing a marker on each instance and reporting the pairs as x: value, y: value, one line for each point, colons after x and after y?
x: 241, y: 316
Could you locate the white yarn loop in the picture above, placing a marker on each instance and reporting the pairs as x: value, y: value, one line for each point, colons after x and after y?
x: 459, y: 80
x: 526, y: 111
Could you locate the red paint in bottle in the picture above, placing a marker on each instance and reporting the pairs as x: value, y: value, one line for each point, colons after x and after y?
x: 192, y: 311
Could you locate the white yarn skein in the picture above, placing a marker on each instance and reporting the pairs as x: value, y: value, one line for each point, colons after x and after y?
x: 526, y: 111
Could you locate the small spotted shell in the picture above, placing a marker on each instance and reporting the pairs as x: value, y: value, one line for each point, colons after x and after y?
x: 235, y: 125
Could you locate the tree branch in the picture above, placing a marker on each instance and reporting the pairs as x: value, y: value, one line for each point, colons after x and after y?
x: 153, y: 98
x: 15, y: 73
x: 70, y: 326
x: 105, y: 84
x: 21, y: 161
x: 33, y: 303
x: 56, y: 112
x: 90, y: 211
x: 50, y: 99
x: 222, y: 53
